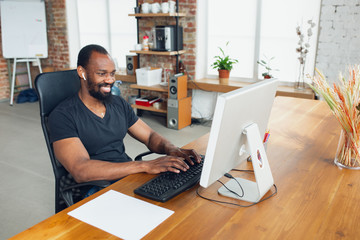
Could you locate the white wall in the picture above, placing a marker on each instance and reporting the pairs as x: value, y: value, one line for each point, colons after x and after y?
x: 73, y: 31
x: 339, y: 39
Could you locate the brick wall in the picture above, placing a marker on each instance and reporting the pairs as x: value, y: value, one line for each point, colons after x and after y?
x: 4, y: 81
x: 339, y: 39
x: 58, y: 50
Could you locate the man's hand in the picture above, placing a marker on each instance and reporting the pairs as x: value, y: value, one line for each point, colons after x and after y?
x: 165, y: 164
x: 159, y: 144
x: 186, y: 154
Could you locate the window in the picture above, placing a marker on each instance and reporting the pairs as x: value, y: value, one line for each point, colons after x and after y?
x: 103, y: 22
x: 255, y: 30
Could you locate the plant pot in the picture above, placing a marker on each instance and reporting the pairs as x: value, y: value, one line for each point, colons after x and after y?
x: 267, y: 77
x: 224, y: 76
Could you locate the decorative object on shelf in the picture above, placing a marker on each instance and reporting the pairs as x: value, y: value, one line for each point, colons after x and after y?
x: 266, y: 64
x: 137, y: 9
x: 224, y: 64
x: 145, y: 43
x: 155, y: 7
x: 165, y: 7
x: 145, y: 8
x: 148, y: 76
x: 344, y: 101
x: 181, y: 67
x: 303, y: 49
x: 172, y: 6
x: 167, y: 74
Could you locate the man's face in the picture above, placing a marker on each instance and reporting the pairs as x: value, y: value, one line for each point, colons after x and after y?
x: 100, y: 74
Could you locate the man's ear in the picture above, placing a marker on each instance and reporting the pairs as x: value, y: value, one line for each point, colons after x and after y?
x: 81, y: 72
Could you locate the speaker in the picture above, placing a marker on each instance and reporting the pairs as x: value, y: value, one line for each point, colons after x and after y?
x: 131, y: 64
x: 178, y: 86
x: 179, y: 113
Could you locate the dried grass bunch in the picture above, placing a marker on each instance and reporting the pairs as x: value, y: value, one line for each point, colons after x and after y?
x: 344, y: 101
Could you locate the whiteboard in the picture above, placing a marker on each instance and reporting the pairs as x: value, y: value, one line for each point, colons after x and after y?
x: 23, y: 29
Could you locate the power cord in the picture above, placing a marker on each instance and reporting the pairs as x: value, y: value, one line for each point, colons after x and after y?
x: 197, y: 86
x: 235, y: 204
x: 228, y: 175
x: 242, y: 170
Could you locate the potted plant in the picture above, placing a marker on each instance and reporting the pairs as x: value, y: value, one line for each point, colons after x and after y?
x: 266, y: 64
x: 223, y: 64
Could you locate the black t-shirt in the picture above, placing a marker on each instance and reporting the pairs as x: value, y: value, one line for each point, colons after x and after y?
x: 102, y: 137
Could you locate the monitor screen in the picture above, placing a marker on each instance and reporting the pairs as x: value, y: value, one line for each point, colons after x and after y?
x: 235, y: 111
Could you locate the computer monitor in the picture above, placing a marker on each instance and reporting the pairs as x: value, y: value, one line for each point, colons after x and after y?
x: 239, y: 124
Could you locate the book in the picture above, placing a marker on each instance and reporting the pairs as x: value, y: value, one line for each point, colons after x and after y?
x: 147, y: 101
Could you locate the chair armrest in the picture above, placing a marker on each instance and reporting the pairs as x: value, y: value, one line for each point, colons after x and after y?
x: 99, y: 183
x: 66, y: 192
x: 141, y: 155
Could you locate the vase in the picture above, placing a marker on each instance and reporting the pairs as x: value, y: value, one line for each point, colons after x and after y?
x: 224, y: 76
x: 300, y: 83
x: 347, y: 154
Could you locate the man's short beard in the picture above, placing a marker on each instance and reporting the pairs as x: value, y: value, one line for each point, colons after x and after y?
x: 97, y: 94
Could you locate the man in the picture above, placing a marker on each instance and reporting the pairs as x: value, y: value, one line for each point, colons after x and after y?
x: 87, y: 130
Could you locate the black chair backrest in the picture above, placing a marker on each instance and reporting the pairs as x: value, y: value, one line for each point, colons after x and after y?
x: 52, y: 88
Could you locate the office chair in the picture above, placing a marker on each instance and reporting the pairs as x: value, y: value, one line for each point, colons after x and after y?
x: 52, y: 88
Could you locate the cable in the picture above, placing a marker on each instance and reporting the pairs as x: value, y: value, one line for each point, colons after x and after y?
x: 235, y: 204
x: 197, y: 86
x: 228, y: 175
x: 242, y: 170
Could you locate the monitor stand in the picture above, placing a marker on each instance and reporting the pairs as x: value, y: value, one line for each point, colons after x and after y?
x: 253, y: 191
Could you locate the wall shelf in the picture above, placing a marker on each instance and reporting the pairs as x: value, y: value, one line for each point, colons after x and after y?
x: 162, y: 109
x: 156, y: 88
x: 208, y: 84
x: 126, y: 78
x: 171, y: 53
x: 157, y: 14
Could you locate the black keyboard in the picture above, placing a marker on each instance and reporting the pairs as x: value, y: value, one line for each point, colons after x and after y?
x: 169, y: 184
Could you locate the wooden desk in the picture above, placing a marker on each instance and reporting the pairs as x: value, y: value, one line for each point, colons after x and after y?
x: 315, y: 200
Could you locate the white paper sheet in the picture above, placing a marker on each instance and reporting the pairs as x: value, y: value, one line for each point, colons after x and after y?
x: 123, y: 216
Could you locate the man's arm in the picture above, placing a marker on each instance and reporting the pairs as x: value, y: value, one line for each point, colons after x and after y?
x: 158, y: 144
x: 74, y: 157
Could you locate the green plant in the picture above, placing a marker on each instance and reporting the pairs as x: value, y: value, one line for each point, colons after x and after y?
x: 224, y: 61
x: 266, y: 64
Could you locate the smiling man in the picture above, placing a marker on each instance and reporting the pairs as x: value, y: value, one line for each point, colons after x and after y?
x: 87, y: 129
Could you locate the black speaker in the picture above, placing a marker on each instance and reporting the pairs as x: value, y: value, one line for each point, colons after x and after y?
x: 131, y: 64
x: 178, y: 86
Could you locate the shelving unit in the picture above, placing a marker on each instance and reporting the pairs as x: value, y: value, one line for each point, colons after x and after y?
x: 176, y: 15
x: 176, y: 53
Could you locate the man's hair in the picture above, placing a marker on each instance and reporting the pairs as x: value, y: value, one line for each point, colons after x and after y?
x: 85, y: 54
